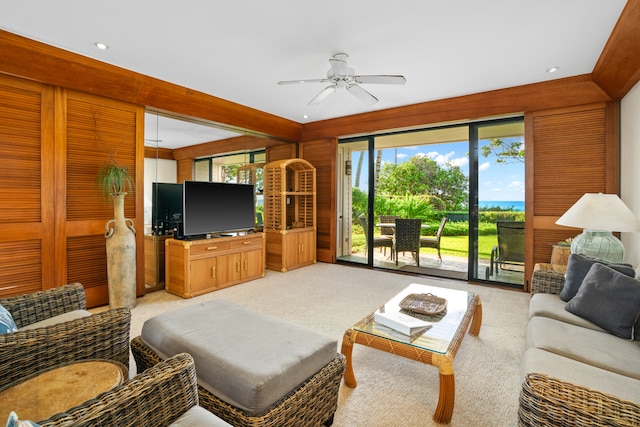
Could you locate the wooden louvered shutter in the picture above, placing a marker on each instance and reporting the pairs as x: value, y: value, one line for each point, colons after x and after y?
x: 569, y: 152
x: 94, y: 129
x: 26, y: 203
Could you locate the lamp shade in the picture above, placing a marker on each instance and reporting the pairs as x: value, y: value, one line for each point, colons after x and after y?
x: 598, y: 211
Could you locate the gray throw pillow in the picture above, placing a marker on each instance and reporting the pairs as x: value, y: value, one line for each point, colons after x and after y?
x: 577, y: 268
x: 609, y: 299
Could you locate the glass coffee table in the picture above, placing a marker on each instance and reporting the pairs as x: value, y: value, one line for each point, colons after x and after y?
x: 436, y: 346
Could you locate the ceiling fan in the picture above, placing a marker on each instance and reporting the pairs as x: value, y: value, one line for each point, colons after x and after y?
x: 341, y: 76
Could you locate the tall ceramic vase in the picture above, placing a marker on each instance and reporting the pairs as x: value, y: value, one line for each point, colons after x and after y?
x: 121, y: 256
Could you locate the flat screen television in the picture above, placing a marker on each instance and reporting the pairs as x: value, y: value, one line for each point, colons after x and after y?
x: 166, y: 207
x: 217, y: 207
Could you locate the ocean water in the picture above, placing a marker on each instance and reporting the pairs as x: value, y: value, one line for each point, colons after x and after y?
x: 517, y: 205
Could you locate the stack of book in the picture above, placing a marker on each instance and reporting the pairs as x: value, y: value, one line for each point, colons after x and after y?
x: 401, y: 322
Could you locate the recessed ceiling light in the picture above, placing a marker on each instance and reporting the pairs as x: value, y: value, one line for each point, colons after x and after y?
x: 101, y: 46
x: 304, y: 116
x: 553, y: 69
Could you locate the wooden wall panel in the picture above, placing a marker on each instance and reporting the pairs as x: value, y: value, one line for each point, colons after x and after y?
x: 282, y: 152
x: 569, y: 152
x: 90, y: 131
x: 26, y: 194
x: 323, y: 155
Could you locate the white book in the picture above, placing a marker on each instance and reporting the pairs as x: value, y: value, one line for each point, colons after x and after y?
x: 401, y: 322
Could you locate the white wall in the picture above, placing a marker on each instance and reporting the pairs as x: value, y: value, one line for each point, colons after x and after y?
x: 630, y: 167
x: 159, y: 170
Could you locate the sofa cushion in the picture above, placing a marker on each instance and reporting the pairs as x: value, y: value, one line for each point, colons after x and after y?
x: 594, y: 348
x: 197, y: 416
x: 551, y: 306
x: 61, y: 318
x: 609, y: 299
x: 544, y: 362
x: 577, y: 268
x: 244, y: 357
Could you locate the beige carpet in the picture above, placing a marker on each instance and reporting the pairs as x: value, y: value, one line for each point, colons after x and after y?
x: 392, y: 391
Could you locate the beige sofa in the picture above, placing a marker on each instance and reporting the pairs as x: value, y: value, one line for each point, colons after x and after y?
x: 576, y: 372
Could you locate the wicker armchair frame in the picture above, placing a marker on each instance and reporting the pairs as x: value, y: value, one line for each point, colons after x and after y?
x: 156, y: 397
x: 311, y: 404
x: 102, y: 335
x: 548, y: 401
x: 546, y: 280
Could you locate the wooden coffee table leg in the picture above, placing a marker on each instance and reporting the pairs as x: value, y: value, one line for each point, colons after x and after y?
x: 444, y: 410
x: 347, y: 349
x: 474, y: 330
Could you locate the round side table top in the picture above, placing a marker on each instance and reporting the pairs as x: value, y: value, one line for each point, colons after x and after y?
x: 45, y: 393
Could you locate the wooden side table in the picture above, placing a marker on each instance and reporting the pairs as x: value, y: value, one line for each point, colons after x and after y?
x: 45, y: 393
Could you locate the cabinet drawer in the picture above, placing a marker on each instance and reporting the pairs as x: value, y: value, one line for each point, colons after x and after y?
x: 246, y: 243
x: 209, y: 248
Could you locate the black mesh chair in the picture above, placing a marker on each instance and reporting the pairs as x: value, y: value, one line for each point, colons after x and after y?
x: 434, y: 242
x: 378, y: 241
x: 407, y: 237
x: 510, y: 248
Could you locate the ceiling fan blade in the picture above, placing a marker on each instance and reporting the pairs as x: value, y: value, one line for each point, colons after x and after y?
x: 290, y: 82
x: 381, y: 79
x: 322, y: 95
x: 362, y: 94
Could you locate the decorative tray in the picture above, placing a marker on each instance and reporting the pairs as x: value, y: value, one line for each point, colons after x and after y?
x: 427, y: 304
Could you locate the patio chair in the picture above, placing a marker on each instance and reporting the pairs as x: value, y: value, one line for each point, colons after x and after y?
x: 54, y: 327
x: 388, y: 219
x: 510, y: 248
x: 407, y: 237
x: 434, y: 242
x: 378, y: 241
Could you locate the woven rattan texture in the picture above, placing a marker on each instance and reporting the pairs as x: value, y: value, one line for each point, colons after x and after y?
x: 156, y: 397
x: 103, y: 335
x: 546, y: 281
x: 547, y: 401
x: 311, y: 404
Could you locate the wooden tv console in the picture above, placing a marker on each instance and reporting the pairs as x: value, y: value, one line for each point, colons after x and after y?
x: 195, y: 267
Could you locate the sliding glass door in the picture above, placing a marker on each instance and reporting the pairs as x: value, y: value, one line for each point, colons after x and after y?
x: 443, y: 176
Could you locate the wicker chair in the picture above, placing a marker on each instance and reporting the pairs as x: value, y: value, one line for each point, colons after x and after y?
x: 547, y: 401
x: 378, y: 241
x: 388, y: 219
x: 103, y: 335
x: 157, y: 397
x: 407, y: 237
x: 434, y: 242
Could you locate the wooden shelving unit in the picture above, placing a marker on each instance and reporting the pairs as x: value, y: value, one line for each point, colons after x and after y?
x: 290, y: 213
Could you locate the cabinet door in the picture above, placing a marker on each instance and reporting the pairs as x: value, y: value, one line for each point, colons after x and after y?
x: 307, y: 247
x: 229, y: 268
x: 252, y: 264
x: 204, y: 274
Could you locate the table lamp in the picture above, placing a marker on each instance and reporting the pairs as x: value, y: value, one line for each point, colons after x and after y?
x: 599, y: 214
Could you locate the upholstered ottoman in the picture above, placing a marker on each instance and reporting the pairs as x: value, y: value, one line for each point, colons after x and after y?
x: 252, y: 369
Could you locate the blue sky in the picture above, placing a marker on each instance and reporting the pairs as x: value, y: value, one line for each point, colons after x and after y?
x: 498, y: 182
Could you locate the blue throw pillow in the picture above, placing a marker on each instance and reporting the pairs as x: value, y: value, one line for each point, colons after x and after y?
x: 577, y: 268
x: 609, y: 299
x: 13, y: 421
x: 6, y: 321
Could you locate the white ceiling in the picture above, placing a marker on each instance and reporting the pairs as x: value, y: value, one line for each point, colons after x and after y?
x: 239, y: 50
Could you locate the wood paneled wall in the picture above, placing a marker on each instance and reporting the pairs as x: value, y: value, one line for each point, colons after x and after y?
x: 323, y: 155
x: 53, y: 213
x: 569, y: 152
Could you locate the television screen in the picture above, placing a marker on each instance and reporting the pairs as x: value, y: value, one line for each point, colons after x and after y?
x: 166, y: 206
x: 217, y: 207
